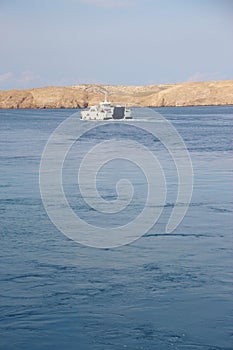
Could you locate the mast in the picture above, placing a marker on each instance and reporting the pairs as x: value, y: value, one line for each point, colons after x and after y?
x: 105, y: 97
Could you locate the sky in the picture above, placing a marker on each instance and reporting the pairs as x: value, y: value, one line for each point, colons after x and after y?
x: 118, y: 42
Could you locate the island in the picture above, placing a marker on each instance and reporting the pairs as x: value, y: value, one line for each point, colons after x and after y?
x: 157, y: 95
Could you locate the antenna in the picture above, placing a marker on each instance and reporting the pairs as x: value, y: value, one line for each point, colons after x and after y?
x: 105, y: 96
x: 98, y: 89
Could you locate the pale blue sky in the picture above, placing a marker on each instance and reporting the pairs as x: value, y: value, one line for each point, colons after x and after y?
x: 132, y: 42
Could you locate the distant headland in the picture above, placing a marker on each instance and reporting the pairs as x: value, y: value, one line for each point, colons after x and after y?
x: 158, y: 95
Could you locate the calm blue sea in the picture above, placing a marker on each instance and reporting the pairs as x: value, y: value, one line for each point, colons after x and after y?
x: 163, y: 291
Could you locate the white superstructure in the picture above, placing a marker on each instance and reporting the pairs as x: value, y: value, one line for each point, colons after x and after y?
x: 106, y: 111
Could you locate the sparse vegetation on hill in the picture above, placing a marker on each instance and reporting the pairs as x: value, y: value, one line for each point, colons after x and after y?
x: 79, y: 96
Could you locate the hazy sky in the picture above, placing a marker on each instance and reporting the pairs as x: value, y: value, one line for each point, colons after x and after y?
x: 133, y: 42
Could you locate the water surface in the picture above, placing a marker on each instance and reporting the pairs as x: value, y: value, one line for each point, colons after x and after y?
x: 161, y: 292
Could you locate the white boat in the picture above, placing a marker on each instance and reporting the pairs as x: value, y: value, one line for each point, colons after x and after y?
x: 106, y: 111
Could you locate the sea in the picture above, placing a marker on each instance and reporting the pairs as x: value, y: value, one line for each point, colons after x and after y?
x: 152, y: 290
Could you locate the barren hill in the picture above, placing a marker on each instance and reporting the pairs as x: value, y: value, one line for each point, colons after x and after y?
x: 79, y: 96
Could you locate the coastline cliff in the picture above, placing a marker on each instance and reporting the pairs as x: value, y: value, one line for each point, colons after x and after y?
x: 79, y: 96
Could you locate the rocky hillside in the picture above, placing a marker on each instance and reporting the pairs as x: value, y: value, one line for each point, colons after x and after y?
x: 79, y: 96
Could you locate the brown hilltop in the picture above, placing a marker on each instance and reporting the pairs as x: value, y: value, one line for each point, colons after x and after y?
x: 79, y: 96
x: 48, y: 97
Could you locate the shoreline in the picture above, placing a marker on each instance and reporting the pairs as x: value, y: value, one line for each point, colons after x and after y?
x: 214, y: 93
x: 80, y: 108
